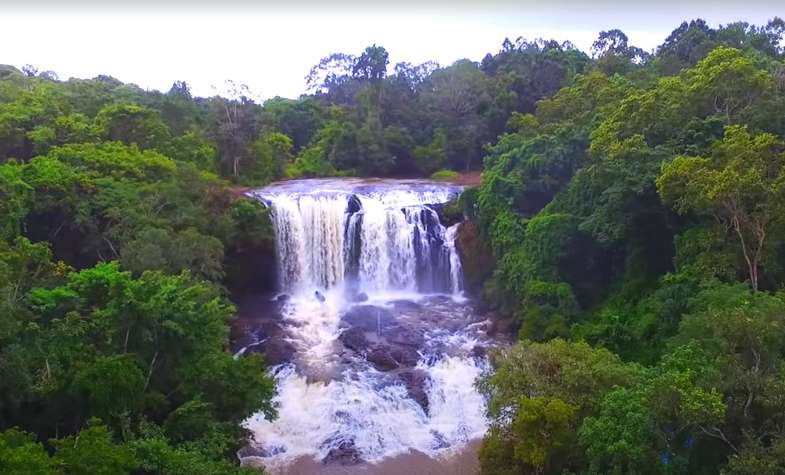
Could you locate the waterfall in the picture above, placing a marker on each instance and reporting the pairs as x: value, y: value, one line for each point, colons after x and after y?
x: 377, y: 240
x: 384, y: 349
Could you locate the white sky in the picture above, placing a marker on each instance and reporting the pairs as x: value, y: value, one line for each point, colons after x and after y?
x: 271, y: 48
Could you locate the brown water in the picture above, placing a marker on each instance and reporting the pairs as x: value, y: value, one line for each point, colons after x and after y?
x: 460, y: 462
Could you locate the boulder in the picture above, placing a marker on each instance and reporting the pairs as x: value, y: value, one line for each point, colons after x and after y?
x: 345, y: 454
x: 360, y: 297
x: 253, y: 450
x: 405, y: 337
x: 414, y: 381
x: 407, y: 306
x: 381, y: 359
x: 275, y: 350
x: 479, y: 351
x: 354, y: 339
x: 405, y: 355
x: 368, y: 318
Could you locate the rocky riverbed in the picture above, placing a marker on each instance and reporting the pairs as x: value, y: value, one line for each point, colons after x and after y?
x: 404, y: 358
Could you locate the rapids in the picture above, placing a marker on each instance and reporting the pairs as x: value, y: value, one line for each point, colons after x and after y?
x: 374, y: 348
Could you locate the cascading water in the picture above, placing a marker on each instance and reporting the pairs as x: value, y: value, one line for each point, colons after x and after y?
x: 384, y: 348
x: 384, y: 240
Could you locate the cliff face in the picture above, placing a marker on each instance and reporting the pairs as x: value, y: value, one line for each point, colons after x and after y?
x: 476, y: 257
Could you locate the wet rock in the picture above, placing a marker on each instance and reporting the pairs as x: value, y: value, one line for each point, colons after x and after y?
x: 405, y: 337
x: 439, y: 440
x: 275, y: 350
x: 354, y: 339
x: 381, y: 359
x: 479, y: 351
x: 319, y: 296
x: 259, y: 451
x: 345, y: 454
x: 353, y: 205
x: 283, y: 298
x: 407, y: 306
x: 361, y: 297
x: 268, y: 329
x: 405, y: 355
x: 415, y: 381
x: 449, y: 213
x: 243, y: 340
x: 476, y: 257
x: 368, y: 318
x: 503, y: 326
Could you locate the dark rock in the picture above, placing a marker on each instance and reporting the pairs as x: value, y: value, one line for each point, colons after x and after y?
x: 345, y: 454
x: 275, y: 350
x: 405, y: 337
x: 353, y: 205
x: 439, y: 441
x: 449, y: 213
x: 503, y: 326
x: 381, y: 359
x: 405, y: 355
x: 479, y: 351
x: 477, y: 259
x: 354, y: 339
x: 319, y: 296
x: 259, y: 451
x: 283, y: 298
x: 361, y: 297
x: 414, y: 381
x: 407, y: 306
x: 368, y: 318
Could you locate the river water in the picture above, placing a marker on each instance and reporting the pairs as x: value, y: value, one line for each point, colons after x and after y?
x: 372, y: 343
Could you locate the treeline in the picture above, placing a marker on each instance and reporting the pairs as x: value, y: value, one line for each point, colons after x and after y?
x: 636, y: 221
x: 358, y: 120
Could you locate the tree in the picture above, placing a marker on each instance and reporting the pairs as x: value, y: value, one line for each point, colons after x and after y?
x: 132, y: 124
x: 372, y: 64
x: 741, y: 184
x: 647, y: 428
x: 20, y: 454
x: 538, y: 394
x: 93, y: 451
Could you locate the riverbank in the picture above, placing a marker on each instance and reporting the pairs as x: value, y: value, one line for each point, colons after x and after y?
x: 463, y: 461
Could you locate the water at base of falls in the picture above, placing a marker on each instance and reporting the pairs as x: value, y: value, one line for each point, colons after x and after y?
x: 375, y: 351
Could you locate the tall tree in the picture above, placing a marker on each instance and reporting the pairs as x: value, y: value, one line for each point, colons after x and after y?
x: 741, y: 184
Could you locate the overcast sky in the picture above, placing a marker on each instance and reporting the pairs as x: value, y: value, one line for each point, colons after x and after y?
x: 271, y: 46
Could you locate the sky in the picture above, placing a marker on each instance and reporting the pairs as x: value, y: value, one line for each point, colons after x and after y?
x: 270, y: 46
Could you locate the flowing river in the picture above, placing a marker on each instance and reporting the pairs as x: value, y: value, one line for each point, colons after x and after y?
x: 372, y: 343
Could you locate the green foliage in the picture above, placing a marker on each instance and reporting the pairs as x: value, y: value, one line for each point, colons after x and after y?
x: 577, y: 204
x: 132, y: 124
x: 433, y: 156
x: 648, y: 428
x: 444, y: 175
x: 741, y: 185
x: 93, y: 451
x: 538, y: 395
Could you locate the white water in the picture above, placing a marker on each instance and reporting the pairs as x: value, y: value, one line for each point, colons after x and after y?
x: 402, y: 245
x: 330, y: 395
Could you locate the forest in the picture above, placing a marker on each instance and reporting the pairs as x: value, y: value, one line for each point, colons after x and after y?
x: 628, y: 229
